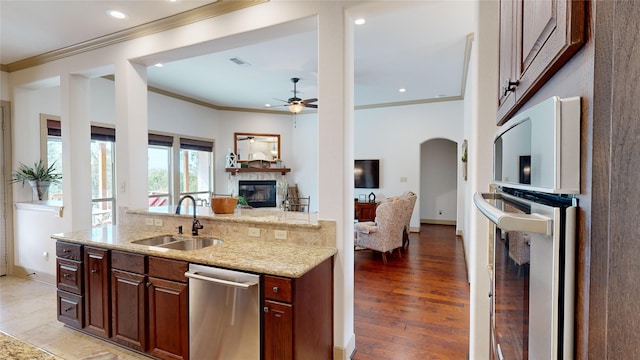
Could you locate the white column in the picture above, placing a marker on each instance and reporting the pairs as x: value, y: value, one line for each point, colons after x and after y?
x: 131, y: 135
x: 483, y: 115
x: 76, y: 154
x: 335, y: 161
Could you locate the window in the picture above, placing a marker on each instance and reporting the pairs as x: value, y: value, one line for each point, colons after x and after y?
x: 102, y: 148
x: 196, y: 163
x: 159, y: 169
x: 54, y: 154
x: 102, y: 175
x: 192, y: 175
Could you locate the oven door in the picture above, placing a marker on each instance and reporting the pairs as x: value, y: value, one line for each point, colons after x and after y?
x: 533, y: 276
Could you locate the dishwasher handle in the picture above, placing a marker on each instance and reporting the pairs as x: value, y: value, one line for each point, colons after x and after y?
x: 196, y: 275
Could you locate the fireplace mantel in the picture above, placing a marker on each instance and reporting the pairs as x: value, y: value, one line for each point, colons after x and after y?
x: 234, y: 171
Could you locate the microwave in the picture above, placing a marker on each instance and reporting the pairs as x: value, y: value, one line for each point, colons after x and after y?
x: 539, y: 149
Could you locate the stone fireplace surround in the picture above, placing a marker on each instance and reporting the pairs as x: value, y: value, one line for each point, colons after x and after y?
x: 281, y: 183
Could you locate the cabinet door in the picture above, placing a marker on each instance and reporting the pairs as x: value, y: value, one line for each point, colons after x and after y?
x: 128, y: 299
x: 69, y: 276
x: 547, y: 34
x: 70, y: 310
x: 168, y: 319
x: 278, y: 331
x: 97, y: 309
x: 507, y: 56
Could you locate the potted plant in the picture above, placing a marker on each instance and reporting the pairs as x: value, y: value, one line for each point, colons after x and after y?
x: 38, y: 176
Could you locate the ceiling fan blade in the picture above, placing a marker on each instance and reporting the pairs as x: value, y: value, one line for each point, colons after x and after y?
x: 284, y: 101
x: 314, y: 106
x: 309, y: 101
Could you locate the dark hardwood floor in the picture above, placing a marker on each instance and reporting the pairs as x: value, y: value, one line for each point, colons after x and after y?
x: 415, y: 306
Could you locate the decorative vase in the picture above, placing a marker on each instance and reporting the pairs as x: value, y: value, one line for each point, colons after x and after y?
x: 39, y: 188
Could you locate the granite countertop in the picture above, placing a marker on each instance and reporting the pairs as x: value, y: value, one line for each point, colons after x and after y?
x: 240, y: 215
x: 253, y: 255
x: 12, y: 348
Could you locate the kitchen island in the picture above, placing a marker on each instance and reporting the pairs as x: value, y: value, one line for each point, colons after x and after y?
x: 138, y: 296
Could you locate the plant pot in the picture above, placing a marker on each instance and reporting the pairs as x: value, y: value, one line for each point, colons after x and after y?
x: 39, y: 188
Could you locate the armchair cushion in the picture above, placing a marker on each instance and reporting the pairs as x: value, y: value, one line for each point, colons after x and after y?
x: 366, y: 227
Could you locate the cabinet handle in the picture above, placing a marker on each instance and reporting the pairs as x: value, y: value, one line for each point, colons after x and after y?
x: 265, y: 309
x: 148, y: 284
x: 68, y: 309
x: 510, y: 86
x: 93, y: 271
x: 66, y: 251
x: 66, y: 276
x: 275, y: 289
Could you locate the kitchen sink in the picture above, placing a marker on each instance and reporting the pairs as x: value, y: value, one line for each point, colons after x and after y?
x: 192, y: 244
x: 155, y: 241
x: 178, y: 243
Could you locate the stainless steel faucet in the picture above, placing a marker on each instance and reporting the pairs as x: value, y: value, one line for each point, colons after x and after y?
x: 196, y: 223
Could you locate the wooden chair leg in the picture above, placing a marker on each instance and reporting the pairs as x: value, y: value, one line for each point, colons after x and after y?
x: 384, y: 257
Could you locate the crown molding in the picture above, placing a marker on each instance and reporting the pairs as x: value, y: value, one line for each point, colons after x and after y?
x: 204, y: 12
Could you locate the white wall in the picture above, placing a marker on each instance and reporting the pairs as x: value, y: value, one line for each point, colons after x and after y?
x: 395, y: 134
x: 438, y: 181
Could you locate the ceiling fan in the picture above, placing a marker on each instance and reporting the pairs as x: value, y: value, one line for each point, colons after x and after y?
x: 295, y: 104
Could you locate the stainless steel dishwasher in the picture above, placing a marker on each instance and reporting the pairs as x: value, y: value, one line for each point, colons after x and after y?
x: 224, y: 314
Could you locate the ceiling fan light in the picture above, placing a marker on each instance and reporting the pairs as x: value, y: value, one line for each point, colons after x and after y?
x: 295, y: 108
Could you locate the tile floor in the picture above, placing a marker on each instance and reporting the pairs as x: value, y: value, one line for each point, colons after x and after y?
x: 28, y: 312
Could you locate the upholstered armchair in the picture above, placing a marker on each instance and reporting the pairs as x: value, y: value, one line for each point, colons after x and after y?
x: 385, y: 234
x: 411, y: 196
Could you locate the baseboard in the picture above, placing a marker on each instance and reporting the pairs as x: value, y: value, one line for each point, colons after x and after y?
x: 347, y: 352
x: 20, y: 271
x: 437, y: 222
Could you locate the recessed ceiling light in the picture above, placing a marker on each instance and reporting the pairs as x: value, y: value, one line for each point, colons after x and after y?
x: 267, y: 105
x: 360, y: 21
x: 117, y: 14
x: 158, y: 65
x: 402, y: 90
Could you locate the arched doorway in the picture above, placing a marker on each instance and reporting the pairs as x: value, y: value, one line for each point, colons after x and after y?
x: 438, y: 182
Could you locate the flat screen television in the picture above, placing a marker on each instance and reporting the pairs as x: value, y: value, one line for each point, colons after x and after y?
x: 367, y: 174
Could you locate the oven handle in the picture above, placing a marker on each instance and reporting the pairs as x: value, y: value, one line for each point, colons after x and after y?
x: 533, y: 223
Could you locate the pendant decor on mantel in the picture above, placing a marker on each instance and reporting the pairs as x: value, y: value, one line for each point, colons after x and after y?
x: 232, y: 161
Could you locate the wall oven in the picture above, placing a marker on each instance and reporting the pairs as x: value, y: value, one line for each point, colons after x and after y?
x: 533, y: 210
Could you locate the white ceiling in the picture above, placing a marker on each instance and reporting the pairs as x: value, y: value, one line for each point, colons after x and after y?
x: 417, y: 45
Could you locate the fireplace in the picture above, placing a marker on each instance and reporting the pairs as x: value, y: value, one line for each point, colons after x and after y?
x: 259, y: 193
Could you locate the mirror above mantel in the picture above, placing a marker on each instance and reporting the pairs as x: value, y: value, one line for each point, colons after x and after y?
x: 251, y: 146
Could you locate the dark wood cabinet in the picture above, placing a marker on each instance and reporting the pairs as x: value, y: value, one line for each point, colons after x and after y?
x: 168, y: 309
x: 365, y: 211
x: 298, y: 315
x: 536, y: 39
x: 69, y: 280
x: 149, y: 297
x: 97, y: 290
x: 129, y: 299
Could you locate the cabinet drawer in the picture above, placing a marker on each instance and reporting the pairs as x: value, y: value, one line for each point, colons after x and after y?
x: 168, y: 269
x: 70, y: 309
x: 135, y: 263
x: 69, y: 251
x: 69, y: 275
x: 277, y: 288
